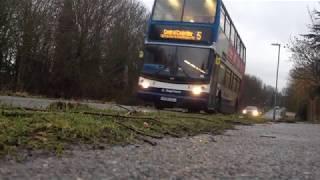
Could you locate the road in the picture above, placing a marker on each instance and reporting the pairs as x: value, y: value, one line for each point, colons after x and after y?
x: 43, y: 103
x: 269, y: 151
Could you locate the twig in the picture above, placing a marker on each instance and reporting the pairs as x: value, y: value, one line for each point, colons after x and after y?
x: 120, y: 106
x: 239, y: 122
x: 265, y: 136
x: 172, y: 134
x: 113, y: 115
x: 166, y: 132
x: 139, y: 132
x: 87, y: 113
x: 152, y: 143
x: 192, y: 117
x: 15, y: 114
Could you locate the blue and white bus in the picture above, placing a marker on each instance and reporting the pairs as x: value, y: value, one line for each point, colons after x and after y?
x: 194, y: 57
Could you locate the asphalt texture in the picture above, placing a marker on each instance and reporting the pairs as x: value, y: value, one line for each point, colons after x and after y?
x: 267, y: 151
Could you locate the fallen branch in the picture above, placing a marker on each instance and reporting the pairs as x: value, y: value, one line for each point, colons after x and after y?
x: 115, y: 115
x: 125, y: 108
x: 166, y: 132
x: 236, y: 122
x: 192, y: 117
x: 86, y: 113
x: 172, y: 134
x: 138, y: 132
x: 15, y: 114
x: 141, y: 138
x: 265, y: 136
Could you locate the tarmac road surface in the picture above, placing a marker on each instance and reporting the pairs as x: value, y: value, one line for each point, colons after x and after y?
x: 268, y: 151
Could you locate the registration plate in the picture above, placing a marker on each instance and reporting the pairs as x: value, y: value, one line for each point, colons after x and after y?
x: 168, y: 99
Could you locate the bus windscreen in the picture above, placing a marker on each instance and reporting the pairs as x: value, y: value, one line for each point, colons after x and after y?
x: 183, y: 62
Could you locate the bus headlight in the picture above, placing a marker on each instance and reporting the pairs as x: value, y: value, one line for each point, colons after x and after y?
x: 244, y: 112
x: 197, y: 90
x: 145, y: 84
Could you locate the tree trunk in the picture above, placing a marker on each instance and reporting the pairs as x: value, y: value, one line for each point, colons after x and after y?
x: 317, y: 109
x: 314, y: 110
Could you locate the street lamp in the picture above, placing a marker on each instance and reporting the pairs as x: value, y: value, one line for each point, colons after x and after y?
x: 276, y: 92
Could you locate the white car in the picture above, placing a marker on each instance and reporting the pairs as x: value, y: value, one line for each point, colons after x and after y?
x: 251, y: 111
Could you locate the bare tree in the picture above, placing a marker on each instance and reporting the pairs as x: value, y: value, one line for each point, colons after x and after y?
x: 305, y: 75
x: 256, y: 93
x: 8, y: 37
x: 71, y: 48
x: 34, y: 44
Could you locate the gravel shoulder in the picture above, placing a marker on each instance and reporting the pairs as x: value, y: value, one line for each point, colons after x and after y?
x: 267, y: 151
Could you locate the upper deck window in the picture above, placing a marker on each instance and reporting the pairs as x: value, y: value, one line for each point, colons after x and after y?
x: 239, y: 45
x: 201, y: 11
x: 194, y: 11
x: 232, y: 36
x: 168, y: 10
x: 227, y: 28
x: 222, y: 19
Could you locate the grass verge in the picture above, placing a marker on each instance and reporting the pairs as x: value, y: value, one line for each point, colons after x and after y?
x: 64, y: 125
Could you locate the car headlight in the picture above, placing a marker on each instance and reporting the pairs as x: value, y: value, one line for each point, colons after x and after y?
x: 255, y: 113
x: 197, y: 90
x: 244, y: 112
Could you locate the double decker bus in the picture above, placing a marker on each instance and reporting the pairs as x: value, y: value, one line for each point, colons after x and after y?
x: 193, y: 56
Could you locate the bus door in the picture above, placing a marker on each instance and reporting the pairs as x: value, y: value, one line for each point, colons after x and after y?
x: 214, y: 82
x: 224, y: 94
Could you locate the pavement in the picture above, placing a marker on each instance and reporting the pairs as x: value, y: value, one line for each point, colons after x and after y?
x: 43, y: 103
x: 268, y: 151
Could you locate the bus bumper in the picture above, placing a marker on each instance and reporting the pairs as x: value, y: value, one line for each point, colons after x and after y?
x: 172, y: 100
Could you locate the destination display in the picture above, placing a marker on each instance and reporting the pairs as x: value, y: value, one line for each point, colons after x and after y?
x: 180, y: 34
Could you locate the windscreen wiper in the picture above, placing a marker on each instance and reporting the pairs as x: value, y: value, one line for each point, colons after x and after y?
x: 194, y: 67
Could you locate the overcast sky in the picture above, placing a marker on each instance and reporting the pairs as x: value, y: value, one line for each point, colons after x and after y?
x: 262, y: 22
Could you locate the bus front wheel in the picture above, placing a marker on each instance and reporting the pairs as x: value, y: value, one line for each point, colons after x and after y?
x: 159, y: 106
x: 193, y: 110
x: 210, y: 111
x: 236, y: 107
x: 219, y: 102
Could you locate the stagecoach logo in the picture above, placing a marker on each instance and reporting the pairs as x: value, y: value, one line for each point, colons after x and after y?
x: 171, y: 91
x: 181, y: 34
